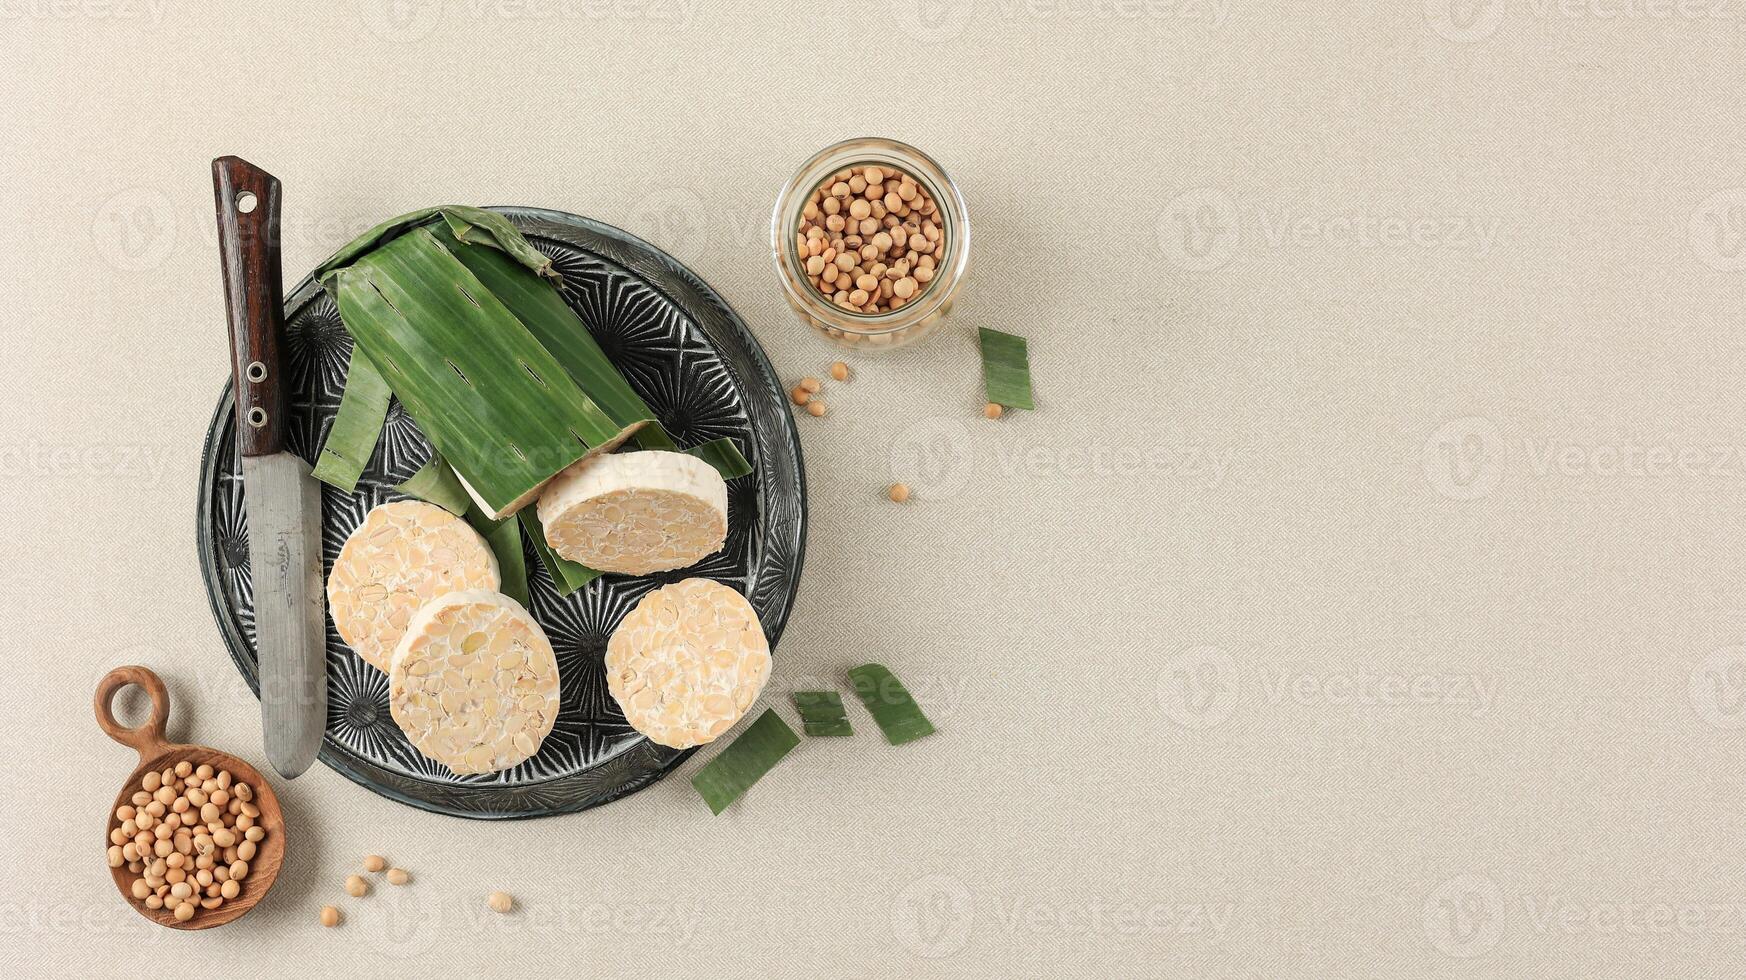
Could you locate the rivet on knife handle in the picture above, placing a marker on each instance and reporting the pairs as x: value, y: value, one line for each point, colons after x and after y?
x: 254, y: 296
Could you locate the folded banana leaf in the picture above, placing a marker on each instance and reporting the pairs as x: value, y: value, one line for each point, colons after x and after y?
x: 467, y: 356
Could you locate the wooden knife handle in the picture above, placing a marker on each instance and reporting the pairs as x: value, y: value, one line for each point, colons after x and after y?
x: 248, y: 242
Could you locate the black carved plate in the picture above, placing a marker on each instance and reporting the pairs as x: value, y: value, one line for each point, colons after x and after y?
x: 692, y: 358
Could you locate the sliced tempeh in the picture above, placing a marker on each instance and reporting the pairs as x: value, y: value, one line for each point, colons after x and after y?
x: 635, y: 513
x: 403, y: 555
x: 474, y: 683
x: 687, y: 662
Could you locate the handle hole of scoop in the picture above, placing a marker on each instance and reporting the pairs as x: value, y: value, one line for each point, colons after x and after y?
x: 245, y: 202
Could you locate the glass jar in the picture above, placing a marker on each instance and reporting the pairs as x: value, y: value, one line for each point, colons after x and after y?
x: 852, y: 328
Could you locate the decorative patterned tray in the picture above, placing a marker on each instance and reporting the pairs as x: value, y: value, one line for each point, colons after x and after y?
x: 691, y: 357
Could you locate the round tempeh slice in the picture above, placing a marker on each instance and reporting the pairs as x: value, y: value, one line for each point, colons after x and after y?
x: 635, y: 513
x: 474, y: 682
x: 687, y: 662
x: 403, y: 555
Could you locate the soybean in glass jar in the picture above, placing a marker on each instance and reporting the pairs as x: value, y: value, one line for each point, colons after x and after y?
x: 918, y: 314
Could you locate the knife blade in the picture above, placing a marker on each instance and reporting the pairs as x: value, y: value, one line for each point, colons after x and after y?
x: 280, y: 496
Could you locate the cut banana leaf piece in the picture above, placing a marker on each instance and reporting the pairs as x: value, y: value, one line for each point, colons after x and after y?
x: 821, y: 713
x: 1006, y: 369
x: 890, y: 704
x: 356, y: 427
x: 567, y: 575
x: 724, y: 455
x: 477, y: 226
x: 754, y: 753
x: 499, y: 407
x: 504, y: 537
x: 435, y: 483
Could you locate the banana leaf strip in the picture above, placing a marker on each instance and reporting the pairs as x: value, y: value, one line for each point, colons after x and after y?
x: 1006, y: 369
x: 356, y: 427
x: 724, y: 456
x: 889, y: 703
x: 821, y: 713
x: 567, y: 576
x: 755, y: 752
x: 504, y: 537
x: 435, y: 483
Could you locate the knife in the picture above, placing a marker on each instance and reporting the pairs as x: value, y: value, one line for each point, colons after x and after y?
x: 281, y: 498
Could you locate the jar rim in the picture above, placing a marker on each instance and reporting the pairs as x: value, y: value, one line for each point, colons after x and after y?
x: 873, y: 150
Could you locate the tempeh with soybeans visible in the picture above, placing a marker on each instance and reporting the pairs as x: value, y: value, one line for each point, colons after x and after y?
x: 687, y: 662
x: 474, y: 682
x: 636, y: 512
x: 404, y: 554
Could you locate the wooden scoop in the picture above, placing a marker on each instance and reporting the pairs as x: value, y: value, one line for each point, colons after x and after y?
x: 155, y: 755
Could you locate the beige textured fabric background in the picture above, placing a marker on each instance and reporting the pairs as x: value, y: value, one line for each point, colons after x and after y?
x: 1361, y: 601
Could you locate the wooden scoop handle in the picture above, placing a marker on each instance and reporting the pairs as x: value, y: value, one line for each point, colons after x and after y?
x: 147, y: 739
